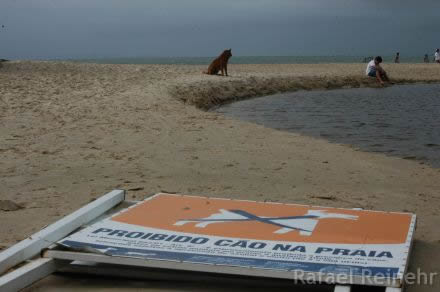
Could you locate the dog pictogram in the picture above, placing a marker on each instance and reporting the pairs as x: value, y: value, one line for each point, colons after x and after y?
x: 305, y: 224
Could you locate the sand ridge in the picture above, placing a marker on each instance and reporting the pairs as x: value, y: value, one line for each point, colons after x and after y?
x: 260, y: 80
x: 71, y: 132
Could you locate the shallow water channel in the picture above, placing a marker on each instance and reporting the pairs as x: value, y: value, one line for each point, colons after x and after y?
x: 401, y: 120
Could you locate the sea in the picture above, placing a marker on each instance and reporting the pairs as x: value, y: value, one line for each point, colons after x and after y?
x: 243, y: 60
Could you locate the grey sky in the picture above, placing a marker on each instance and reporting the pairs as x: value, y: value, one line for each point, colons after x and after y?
x: 134, y: 28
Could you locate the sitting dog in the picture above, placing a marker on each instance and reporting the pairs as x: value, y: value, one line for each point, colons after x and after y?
x: 220, y: 64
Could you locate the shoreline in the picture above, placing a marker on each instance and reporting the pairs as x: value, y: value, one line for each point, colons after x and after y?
x: 218, y: 90
x: 71, y: 132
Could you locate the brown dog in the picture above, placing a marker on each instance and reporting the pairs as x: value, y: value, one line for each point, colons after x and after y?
x: 220, y: 64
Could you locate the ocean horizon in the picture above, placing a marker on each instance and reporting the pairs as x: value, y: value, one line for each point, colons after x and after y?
x: 235, y: 60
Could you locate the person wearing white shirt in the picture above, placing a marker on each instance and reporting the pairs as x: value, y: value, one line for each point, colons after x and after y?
x: 437, y: 56
x: 375, y: 70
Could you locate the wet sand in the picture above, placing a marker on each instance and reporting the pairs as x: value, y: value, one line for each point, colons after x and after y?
x: 71, y: 132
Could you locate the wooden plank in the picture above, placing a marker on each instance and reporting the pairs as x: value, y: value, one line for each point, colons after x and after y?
x: 29, y: 273
x: 162, y: 264
x: 340, y: 288
x: 151, y: 274
x: 33, y: 245
x: 392, y: 289
x: 410, y: 245
x: 207, y: 268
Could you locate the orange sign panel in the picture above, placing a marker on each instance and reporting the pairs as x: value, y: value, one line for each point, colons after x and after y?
x: 268, y: 221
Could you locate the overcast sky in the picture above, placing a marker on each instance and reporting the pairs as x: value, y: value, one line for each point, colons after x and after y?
x: 140, y: 28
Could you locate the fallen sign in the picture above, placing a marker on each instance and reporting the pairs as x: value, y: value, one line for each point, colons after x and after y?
x: 245, y: 238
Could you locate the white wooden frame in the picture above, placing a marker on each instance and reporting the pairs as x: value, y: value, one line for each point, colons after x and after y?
x: 33, y: 271
x: 33, y: 245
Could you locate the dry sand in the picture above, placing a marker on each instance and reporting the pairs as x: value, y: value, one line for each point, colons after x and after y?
x: 71, y: 132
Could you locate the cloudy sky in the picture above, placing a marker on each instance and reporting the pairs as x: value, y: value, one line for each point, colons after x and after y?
x: 140, y: 28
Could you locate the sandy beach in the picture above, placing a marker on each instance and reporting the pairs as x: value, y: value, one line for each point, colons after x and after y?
x: 70, y: 132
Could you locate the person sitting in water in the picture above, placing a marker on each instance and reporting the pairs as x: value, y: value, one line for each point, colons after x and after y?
x: 375, y: 70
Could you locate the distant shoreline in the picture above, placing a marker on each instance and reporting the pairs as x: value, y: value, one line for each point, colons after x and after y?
x: 234, y: 60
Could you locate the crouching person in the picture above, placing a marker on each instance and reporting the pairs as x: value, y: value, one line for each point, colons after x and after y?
x: 375, y: 70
